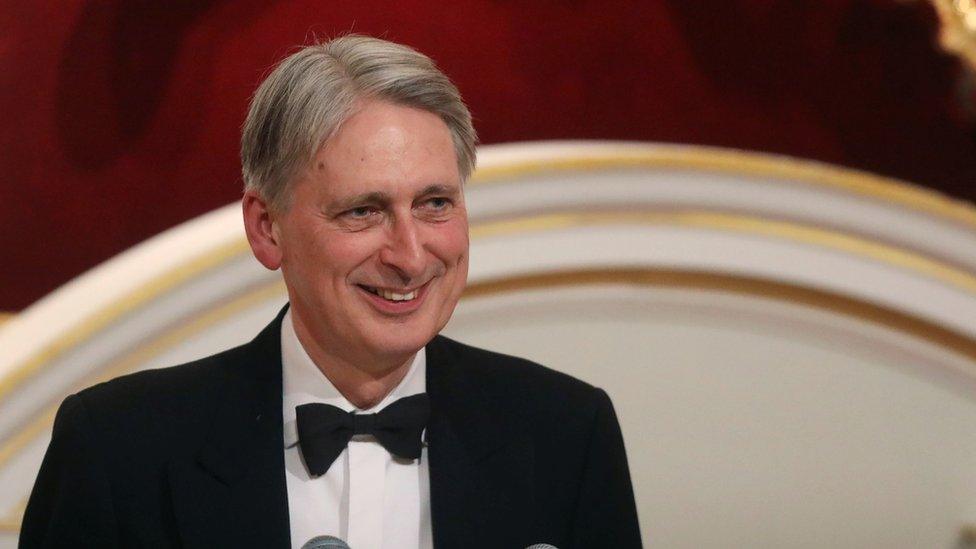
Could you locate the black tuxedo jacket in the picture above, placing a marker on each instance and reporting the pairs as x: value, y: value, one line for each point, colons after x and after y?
x: 192, y: 456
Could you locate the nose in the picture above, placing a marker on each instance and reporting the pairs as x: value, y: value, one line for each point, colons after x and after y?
x: 404, y: 250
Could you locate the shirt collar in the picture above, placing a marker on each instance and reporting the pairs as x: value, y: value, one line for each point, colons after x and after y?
x: 304, y: 383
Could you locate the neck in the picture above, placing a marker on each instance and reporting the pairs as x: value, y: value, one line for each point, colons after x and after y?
x: 364, y: 389
x: 364, y: 381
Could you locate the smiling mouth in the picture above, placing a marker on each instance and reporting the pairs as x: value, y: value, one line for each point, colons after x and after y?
x: 390, y: 295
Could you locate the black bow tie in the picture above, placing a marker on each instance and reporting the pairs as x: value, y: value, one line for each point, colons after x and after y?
x: 324, y: 430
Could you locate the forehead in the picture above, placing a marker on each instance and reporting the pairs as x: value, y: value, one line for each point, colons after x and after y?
x: 388, y: 145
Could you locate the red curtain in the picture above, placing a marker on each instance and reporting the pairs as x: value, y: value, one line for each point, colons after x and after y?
x: 121, y: 118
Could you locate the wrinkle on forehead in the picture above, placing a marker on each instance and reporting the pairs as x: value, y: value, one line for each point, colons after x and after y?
x: 391, y: 140
x: 379, y: 141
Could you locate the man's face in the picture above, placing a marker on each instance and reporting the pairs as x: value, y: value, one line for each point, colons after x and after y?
x: 375, y: 242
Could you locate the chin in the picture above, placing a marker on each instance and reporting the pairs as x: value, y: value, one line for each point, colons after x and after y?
x: 403, y: 343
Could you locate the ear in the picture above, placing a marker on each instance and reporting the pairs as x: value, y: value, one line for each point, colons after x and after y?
x: 259, y: 224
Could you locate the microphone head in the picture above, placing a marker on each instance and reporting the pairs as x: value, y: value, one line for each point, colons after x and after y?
x: 325, y: 542
x: 541, y: 546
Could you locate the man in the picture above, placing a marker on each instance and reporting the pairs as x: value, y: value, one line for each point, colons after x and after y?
x: 348, y: 415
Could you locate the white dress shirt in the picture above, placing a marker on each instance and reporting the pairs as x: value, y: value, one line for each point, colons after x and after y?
x: 368, y: 497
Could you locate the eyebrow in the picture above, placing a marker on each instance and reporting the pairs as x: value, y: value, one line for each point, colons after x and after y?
x: 450, y: 190
x: 360, y: 199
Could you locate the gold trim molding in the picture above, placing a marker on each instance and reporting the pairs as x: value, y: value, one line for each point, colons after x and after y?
x: 120, y: 307
x: 609, y: 158
x: 960, y: 344
x: 745, y: 163
x: 859, y: 246
x: 742, y: 224
x: 957, y: 34
x: 642, y: 277
x: 885, y: 253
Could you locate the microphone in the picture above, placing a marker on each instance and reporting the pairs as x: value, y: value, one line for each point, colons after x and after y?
x: 541, y: 546
x: 325, y: 542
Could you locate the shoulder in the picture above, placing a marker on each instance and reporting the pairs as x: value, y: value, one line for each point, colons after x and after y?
x: 526, y: 386
x: 158, y: 405
x: 186, y: 388
x: 182, y: 382
x: 495, y: 367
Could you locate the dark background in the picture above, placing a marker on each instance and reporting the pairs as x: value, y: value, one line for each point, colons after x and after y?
x: 120, y: 119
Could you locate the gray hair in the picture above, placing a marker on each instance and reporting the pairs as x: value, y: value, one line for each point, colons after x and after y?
x: 312, y: 92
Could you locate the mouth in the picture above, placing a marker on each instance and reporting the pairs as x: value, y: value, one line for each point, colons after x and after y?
x: 395, y: 296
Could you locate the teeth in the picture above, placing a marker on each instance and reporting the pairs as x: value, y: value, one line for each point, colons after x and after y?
x: 393, y: 296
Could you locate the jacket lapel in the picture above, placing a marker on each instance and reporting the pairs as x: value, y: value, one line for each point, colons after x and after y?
x: 480, y: 469
x: 233, y: 492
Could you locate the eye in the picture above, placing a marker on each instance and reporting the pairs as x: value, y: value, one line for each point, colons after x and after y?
x: 362, y: 212
x: 438, y: 202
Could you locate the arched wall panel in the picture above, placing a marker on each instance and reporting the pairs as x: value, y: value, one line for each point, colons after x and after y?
x: 790, y: 346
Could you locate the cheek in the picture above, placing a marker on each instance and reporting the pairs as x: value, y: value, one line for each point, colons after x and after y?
x: 317, y: 256
x: 344, y: 252
x: 454, y: 242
